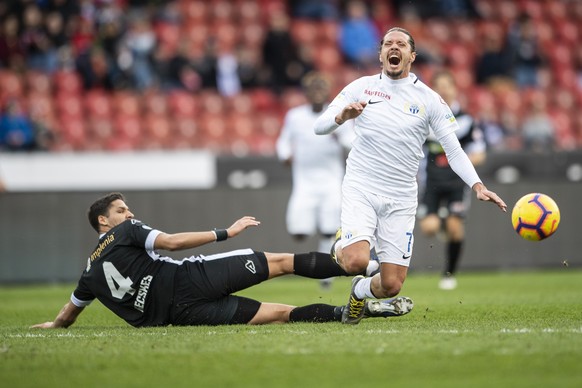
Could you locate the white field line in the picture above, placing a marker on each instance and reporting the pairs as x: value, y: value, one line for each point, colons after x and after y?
x: 140, y: 333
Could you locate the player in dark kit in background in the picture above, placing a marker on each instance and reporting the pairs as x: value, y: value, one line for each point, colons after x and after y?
x: 446, y: 198
x: 130, y: 278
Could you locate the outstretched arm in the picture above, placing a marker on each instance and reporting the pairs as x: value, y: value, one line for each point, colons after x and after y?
x: 487, y: 195
x: 460, y: 163
x: 66, y: 317
x: 187, y: 240
x: 335, y: 116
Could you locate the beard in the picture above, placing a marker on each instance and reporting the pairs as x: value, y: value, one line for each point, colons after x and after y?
x: 394, y: 74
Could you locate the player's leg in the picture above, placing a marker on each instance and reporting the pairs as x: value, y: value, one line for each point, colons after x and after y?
x: 458, y: 205
x: 389, y: 281
x: 429, y: 221
x: 281, y: 313
x: 430, y: 225
x: 314, y: 265
x: 394, y: 245
x: 358, y: 226
x: 456, y: 236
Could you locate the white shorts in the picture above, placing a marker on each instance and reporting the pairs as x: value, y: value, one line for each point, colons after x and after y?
x: 386, y: 223
x: 314, y: 211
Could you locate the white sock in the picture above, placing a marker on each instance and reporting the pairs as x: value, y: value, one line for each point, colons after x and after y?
x: 363, y: 289
x: 373, y: 265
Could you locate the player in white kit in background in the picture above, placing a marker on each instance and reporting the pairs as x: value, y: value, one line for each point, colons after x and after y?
x: 392, y: 113
x: 318, y: 167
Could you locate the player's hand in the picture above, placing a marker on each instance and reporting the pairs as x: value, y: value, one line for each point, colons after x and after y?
x: 487, y: 195
x: 46, y: 325
x: 242, y: 224
x: 351, y: 111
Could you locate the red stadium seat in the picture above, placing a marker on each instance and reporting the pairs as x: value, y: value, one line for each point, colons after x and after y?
x: 264, y: 100
x: 155, y: 103
x: 11, y: 85
x: 97, y: 104
x: 242, y: 103
x: 101, y: 131
x: 327, y: 57
x: 212, y: 102
x: 194, y: 10
x: 69, y: 105
x: 182, y: 104
x: 37, y: 82
x: 40, y: 107
x: 304, y: 31
x: 73, y: 134
x: 129, y: 128
x: 157, y: 128
x: 126, y: 103
x: 68, y: 82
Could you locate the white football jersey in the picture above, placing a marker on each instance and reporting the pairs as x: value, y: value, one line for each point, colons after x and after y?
x: 391, y: 131
x: 316, y: 159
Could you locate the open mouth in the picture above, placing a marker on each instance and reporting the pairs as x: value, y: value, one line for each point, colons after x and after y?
x: 394, y: 60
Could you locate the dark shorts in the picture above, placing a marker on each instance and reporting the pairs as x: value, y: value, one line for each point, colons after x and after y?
x: 454, y: 197
x: 203, y: 288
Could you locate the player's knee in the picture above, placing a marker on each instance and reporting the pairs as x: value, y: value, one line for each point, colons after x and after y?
x: 390, y: 287
x: 430, y: 225
x: 355, y: 263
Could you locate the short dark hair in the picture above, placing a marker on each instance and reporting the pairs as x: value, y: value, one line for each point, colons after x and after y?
x: 400, y: 29
x: 101, y: 208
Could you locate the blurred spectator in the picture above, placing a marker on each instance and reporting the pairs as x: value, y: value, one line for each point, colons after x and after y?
x: 450, y: 9
x: 59, y: 42
x: 203, y: 60
x: 464, y: 9
x: 578, y: 65
x: 83, y: 35
x: 248, y: 64
x: 527, y: 57
x: 494, y: 63
x: 40, y: 53
x: 96, y: 70
x: 140, y: 41
x: 317, y: 10
x: 280, y: 54
x: 16, y: 129
x: 358, y: 36
x: 174, y: 70
x: 537, y: 128
x: 227, y: 78
x: 12, y: 51
x: 492, y: 130
x: 382, y: 15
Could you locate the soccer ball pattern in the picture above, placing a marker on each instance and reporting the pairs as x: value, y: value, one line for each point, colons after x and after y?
x: 535, y: 216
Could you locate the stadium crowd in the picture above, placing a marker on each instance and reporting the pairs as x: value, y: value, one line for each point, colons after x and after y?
x: 220, y: 74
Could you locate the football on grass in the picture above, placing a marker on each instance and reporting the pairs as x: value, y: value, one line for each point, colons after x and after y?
x: 535, y: 216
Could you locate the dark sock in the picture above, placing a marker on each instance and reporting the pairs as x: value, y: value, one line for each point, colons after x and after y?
x: 453, y: 254
x: 316, y: 265
x: 316, y: 313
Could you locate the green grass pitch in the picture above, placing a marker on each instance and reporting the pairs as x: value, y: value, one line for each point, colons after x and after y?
x: 514, y: 329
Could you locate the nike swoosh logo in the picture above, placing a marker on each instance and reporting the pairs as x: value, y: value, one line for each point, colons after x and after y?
x: 406, y: 257
x: 373, y: 102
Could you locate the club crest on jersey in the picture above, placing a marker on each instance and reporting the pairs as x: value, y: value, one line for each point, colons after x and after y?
x: 414, y: 108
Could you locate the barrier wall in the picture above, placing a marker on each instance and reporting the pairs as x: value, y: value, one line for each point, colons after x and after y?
x: 45, y: 236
